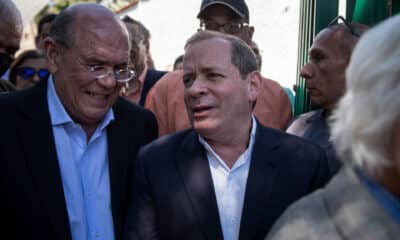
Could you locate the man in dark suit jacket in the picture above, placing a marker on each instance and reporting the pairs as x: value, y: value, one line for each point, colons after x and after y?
x: 71, y: 179
x: 228, y: 177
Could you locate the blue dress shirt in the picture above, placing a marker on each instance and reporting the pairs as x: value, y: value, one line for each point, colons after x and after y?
x: 84, y: 172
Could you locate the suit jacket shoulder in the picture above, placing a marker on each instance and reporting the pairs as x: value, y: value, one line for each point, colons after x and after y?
x: 344, y: 209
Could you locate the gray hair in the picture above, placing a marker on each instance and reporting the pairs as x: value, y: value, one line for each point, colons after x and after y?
x: 363, y: 122
x: 242, y: 56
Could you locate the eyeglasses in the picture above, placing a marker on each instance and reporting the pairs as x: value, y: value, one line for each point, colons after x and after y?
x: 28, y: 73
x: 99, y: 72
x: 346, y: 23
x: 228, y: 27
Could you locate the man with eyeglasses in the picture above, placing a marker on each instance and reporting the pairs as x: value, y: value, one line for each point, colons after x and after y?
x: 165, y: 99
x: 324, y: 76
x: 10, y: 37
x: 68, y: 144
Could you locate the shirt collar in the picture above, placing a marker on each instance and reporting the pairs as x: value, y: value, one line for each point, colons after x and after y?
x: 59, y: 115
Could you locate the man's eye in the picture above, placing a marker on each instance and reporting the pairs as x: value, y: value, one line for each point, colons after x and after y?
x: 187, y: 80
x: 97, y: 68
x: 214, y: 76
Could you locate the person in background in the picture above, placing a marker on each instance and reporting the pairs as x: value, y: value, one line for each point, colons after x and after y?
x: 68, y: 144
x: 324, y: 76
x: 43, y: 29
x: 137, y: 88
x: 28, y: 68
x: 165, y: 100
x: 228, y: 177
x: 10, y: 37
x: 178, y: 63
x: 363, y: 200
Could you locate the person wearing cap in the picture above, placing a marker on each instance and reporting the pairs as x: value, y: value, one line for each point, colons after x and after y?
x: 228, y: 177
x: 165, y: 99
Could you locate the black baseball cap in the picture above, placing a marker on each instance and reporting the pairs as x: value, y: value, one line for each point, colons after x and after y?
x: 238, y: 6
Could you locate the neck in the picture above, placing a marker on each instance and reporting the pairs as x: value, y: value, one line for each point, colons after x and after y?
x: 231, y: 146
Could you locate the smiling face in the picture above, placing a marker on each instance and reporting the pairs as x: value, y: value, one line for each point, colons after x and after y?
x: 325, y: 70
x: 218, y: 100
x: 97, y: 41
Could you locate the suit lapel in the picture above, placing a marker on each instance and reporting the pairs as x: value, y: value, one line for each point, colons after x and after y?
x: 195, y: 172
x: 260, y: 182
x: 37, y: 143
x: 121, y: 157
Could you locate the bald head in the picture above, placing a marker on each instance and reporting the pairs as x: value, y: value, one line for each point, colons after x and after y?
x: 10, y: 14
x: 83, y: 18
x: 345, y: 38
x: 10, y: 33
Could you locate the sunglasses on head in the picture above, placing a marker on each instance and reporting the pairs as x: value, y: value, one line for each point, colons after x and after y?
x: 28, y: 72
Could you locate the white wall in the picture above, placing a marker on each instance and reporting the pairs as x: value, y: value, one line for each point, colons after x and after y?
x: 276, y: 22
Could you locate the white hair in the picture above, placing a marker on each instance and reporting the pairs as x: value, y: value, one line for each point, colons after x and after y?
x: 363, y: 122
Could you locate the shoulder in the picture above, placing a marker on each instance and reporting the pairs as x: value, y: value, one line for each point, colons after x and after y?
x: 170, y: 79
x: 307, y: 218
x: 286, y: 141
x: 6, y: 86
x: 298, y: 125
x: 169, y: 144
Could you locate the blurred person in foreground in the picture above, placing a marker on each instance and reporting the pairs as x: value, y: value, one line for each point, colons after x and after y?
x: 28, y: 68
x: 228, y: 177
x: 329, y: 56
x: 69, y: 143
x: 363, y: 200
x: 165, y: 99
x: 10, y: 37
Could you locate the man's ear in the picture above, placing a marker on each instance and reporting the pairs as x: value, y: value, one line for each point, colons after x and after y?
x: 52, y: 54
x: 254, y: 79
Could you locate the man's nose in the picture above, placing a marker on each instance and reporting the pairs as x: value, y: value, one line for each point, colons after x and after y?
x: 198, y: 88
x: 306, y: 71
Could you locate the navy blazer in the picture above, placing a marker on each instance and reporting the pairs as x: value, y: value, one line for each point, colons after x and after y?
x: 152, y: 76
x: 32, y: 201
x: 174, y: 198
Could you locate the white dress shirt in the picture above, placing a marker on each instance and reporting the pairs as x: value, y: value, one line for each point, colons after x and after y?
x: 230, y: 185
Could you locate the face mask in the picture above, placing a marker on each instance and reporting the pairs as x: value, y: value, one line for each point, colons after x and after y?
x: 5, y: 62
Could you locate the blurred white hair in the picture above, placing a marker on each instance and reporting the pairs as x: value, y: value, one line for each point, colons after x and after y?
x: 363, y: 122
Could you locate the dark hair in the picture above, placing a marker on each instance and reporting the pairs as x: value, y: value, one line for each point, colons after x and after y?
x: 48, y: 18
x: 178, y: 60
x: 242, y: 56
x: 28, y: 54
x: 142, y: 29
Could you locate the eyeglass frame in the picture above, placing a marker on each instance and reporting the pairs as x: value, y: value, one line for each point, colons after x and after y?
x: 240, y: 25
x: 335, y: 21
x: 92, y: 70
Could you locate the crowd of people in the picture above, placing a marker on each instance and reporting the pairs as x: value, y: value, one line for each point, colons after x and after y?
x: 97, y: 144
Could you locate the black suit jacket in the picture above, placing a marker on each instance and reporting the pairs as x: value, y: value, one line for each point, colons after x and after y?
x: 152, y: 76
x: 32, y: 201
x: 174, y: 197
